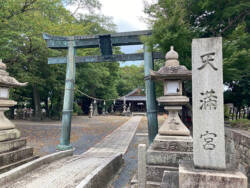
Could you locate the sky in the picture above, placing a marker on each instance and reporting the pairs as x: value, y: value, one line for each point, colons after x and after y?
x: 127, y: 15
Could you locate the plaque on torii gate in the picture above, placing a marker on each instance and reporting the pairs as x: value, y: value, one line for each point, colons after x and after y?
x: 105, y: 43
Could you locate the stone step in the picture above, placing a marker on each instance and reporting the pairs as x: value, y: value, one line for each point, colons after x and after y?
x: 16, y: 155
x: 167, y: 158
x: 16, y: 164
x: 170, y: 179
x: 150, y: 184
x: 12, y: 144
x: 155, y: 172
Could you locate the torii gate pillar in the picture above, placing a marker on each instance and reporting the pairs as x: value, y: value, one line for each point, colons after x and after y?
x: 150, y: 94
x: 68, y: 98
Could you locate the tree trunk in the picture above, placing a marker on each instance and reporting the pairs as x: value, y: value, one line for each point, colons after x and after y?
x: 36, y: 98
x: 47, y: 107
x: 248, y: 113
x: 239, y: 113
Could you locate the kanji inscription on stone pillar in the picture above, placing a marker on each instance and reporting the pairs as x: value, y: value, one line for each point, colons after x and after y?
x: 208, y: 112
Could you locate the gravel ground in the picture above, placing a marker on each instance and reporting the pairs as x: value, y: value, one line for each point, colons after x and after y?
x: 44, y: 136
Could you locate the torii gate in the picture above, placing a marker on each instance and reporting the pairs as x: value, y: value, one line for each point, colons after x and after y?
x: 105, y: 43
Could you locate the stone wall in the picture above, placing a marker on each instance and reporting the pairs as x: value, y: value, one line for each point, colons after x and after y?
x: 238, y: 150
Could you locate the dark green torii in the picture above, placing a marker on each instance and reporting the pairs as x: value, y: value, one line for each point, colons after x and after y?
x: 105, y: 43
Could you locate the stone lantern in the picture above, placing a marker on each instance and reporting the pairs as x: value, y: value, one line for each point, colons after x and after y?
x: 172, y: 74
x: 7, y: 82
x: 13, y: 149
x: 173, y: 141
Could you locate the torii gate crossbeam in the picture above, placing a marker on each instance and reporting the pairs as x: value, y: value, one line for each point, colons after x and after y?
x: 105, y: 43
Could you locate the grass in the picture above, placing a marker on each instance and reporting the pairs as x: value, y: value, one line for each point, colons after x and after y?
x: 240, y: 124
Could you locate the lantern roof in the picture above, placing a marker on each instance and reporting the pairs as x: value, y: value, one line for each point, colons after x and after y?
x: 6, y: 80
x: 172, y: 69
x: 171, y: 55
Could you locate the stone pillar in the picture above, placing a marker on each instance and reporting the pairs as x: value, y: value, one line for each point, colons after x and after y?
x: 208, y: 112
x: 142, y: 166
x: 103, y: 108
x: 124, y: 106
x: 208, y: 168
x: 112, y: 108
x: 90, y: 110
x: 95, y: 110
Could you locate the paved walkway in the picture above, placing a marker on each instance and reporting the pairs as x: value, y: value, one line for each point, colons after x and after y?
x: 70, y: 171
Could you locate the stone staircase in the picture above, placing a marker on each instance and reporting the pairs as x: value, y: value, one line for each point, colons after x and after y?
x: 13, y: 153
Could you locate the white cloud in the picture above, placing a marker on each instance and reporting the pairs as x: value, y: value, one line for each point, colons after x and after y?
x: 126, y: 14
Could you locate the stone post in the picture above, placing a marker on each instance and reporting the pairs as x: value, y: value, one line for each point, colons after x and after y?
x: 90, y: 110
x: 95, y: 109
x: 208, y: 112
x: 103, y: 108
x: 124, y: 105
x: 112, y: 108
x: 142, y: 166
x: 208, y: 169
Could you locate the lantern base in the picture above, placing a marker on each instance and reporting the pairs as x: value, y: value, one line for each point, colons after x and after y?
x: 11, y: 134
x: 173, y: 100
x: 173, y: 124
x: 4, y: 122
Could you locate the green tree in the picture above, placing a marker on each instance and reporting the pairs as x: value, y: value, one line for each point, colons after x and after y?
x: 176, y: 22
x: 25, y: 53
x: 130, y: 77
x: 237, y: 66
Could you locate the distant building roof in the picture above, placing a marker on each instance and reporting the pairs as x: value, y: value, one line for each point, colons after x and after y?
x: 135, y: 95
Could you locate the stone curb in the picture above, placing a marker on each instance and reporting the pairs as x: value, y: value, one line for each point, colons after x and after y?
x: 103, y: 174
x: 25, y: 168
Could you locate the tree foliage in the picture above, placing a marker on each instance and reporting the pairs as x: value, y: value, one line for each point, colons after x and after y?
x: 176, y: 22
x: 25, y: 53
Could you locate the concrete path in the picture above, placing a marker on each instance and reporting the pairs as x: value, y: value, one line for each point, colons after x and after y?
x: 72, y: 171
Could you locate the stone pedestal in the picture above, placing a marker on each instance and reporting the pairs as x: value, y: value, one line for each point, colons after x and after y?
x: 173, y: 124
x: 190, y: 177
x: 164, y: 155
x: 13, y: 149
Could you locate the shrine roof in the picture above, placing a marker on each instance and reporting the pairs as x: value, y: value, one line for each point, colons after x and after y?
x: 135, y: 95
